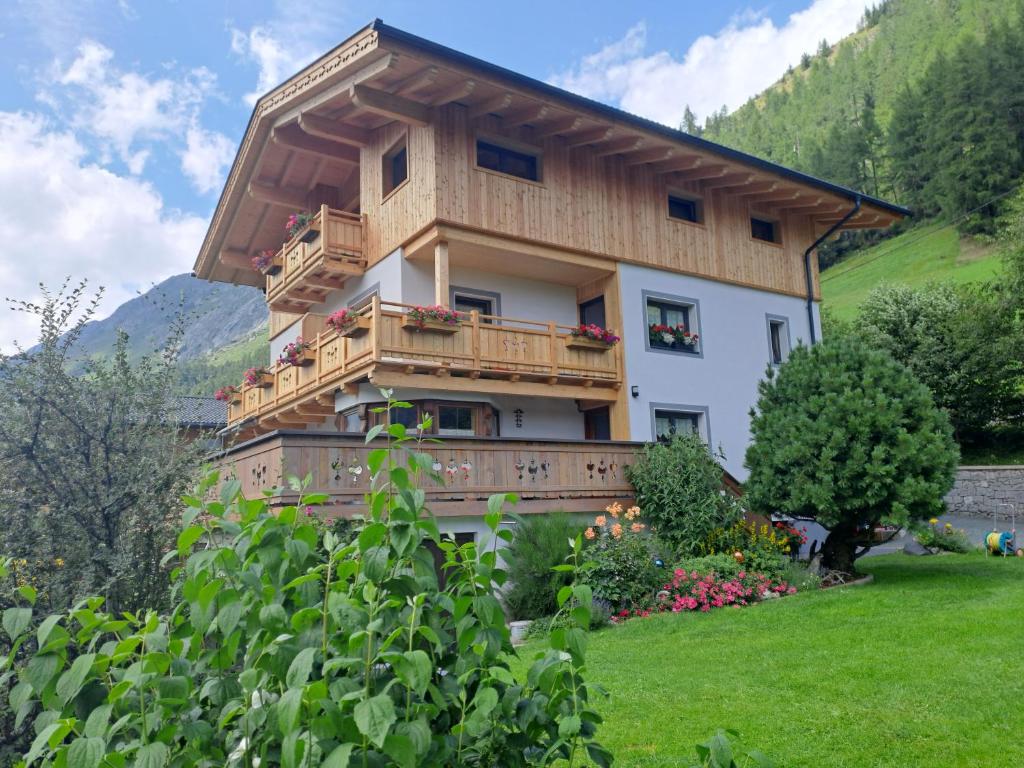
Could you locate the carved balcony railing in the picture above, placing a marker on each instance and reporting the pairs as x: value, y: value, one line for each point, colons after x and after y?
x: 573, y: 475
x: 481, y: 353
x: 317, y: 260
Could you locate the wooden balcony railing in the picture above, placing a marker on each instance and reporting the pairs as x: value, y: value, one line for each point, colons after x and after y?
x: 312, y: 266
x: 573, y: 475
x: 482, y: 353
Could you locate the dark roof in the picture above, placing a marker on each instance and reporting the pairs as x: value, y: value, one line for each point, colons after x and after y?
x: 614, y: 113
x: 199, y: 412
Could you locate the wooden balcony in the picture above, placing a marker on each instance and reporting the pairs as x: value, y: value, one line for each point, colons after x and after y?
x: 318, y: 260
x: 482, y: 354
x: 573, y: 475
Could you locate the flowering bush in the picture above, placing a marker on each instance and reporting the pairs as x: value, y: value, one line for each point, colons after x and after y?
x: 763, y: 548
x: 437, y: 313
x: 254, y: 376
x: 595, y: 333
x: 672, y: 335
x: 226, y: 394
x: 294, y: 352
x: 622, y: 555
x: 297, y: 222
x: 944, y: 537
x: 342, y: 320
x: 263, y: 260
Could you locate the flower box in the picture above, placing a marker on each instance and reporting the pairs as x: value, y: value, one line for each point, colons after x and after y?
x: 428, y: 325
x: 274, y: 267
x: 347, y: 322
x: 308, y: 235
x: 257, y: 378
x: 359, y: 327
x: 268, y: 262
x: 593, y: 345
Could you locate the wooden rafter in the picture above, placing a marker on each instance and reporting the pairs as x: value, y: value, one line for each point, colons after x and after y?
x: 334, y: 130
x: 492, y: 105
x: 453, y: 92
x: 705, y: 172
x: 233, y: 257
x: 389, y: 105
x: 729, y: 180
x: 823, y: 207
x: 781, y: 194
x: 677, y: 164
x: 417, y: 80
x: 589, y: 136
x: 652, y: 155
x: 530, y: 114
x: 618, y: 146
x: 293, y: 137
x: 562, y: 125
x: 267, y: 192
x: 756, y: 188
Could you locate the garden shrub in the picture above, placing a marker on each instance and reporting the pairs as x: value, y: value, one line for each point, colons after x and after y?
x: 723, y: 565
x: 622, y: 559
x: 942, y: 537
x: 761, y: 548
x: 289, y: 646
x: 845, y: 435
x: 679, y: 487
x: 537, y: 546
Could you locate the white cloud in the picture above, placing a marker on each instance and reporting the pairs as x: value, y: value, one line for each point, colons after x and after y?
x: 727, y: 68
x: 276, y: 60
x: 206, y: 158
x: 66, y: 216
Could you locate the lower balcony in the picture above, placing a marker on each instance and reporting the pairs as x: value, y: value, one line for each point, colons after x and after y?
x: 575, y: 476
x: 480, y: 353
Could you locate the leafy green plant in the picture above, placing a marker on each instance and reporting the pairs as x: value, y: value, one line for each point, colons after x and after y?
x: 845, y: 435
x: 679, y: 487
x: 724, y: 751
x: 760, y: 548
x: 288, y: 645
x: 622, y: 559
x: 537, y: 546
x: 942, y: 537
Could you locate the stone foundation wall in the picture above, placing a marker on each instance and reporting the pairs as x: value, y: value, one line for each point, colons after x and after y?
x: 988, y: 491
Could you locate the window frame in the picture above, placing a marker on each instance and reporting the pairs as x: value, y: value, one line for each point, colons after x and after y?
x: 698, y: 204
x: 776, y: 228
x: 478, y: 294
x: 785, y: 342
x: 510, y: 145
x: 475, y: 415
x: 397, y: 146
x: 702, y: 412
x: 694, y: 322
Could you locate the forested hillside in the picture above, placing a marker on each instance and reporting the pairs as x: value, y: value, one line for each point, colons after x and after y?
x: 924, y: 105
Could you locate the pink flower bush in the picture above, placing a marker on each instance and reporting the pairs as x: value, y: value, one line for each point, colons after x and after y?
x: 254, y: 376
x: 595, y: 333
x: 297, y: 222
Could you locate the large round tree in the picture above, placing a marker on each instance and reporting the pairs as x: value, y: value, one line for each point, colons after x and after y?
x: 846, y: 436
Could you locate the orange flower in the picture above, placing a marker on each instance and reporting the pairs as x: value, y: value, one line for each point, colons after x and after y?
x: 637, y: 527
x: 633, y: 513
x: 617, y: 530
x: 614, y: 509
x: 589, y: 533
x: 600, y: 520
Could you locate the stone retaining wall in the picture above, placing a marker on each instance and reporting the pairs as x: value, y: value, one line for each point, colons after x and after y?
x: 987, y: 491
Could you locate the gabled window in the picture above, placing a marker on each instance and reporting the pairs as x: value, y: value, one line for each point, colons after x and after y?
x: 765, y: 229
x: 672, y: 324
x: 503, y: 159
x: 685, y: 208
x: 395, y: 167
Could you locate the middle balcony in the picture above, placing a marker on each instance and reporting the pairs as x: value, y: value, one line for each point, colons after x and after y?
x: 390, y: 345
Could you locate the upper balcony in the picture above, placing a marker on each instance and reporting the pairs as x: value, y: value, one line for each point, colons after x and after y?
x: 317, y: 260
x: 480, y: 353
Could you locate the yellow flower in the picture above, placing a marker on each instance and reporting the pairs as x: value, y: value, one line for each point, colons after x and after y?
x: 933, y: 521
x: 949, y: 526
x: 600, y: 520
x: 617, y: 530
x: 589, y: 533
x: 59, y: 562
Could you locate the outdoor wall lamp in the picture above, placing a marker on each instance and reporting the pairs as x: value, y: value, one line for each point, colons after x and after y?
x: 634, y: 391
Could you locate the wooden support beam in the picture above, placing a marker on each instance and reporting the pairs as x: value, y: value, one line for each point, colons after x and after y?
x: 729, y: 180
x: 677, y: 164
x: 233, y: 257
x: 285, y: 197
x: 746, y: 190
x: 589, y: 136
x: 297, y: 295
x: 493, y: 105
x: 530, y: 114
x: 454, y: 92
x: 334, y: 130
x: 705, y: 172
x: 618, y: 146
x: 340, y: 90
x: 389, y: 105
x: 560, y: 126
x: 398, y: 380
x: 327, y: 398
x: 441, y: 273
x: 779, y: 195
x: 417, y: 80
x: 324, y: 281
x: 823, y: 209
x: 313, y: 409
x: 652, y: 155
x: 293, y: 137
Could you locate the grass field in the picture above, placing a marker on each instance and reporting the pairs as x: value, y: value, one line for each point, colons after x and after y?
x: 926, y: 253
x: 924, y: 667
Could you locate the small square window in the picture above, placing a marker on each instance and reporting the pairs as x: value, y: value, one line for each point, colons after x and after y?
x: 668, y: 424
x: 672, y: 325
x: 455, y: 420
x: 764, y: 229
x: 395, y: 167
x: 685, y: 209
x: 494, y: 157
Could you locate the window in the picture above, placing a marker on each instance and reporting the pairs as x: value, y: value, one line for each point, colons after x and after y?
x: 455, y: 420
x: 778, y: 339
x: 352, y: 420
x: 395, y: 169
x: 494, y: 157
x: 597, y: 424
x: 763, y: 229
x: 410, y: 417
x: 669, y: 423
x: 592, y: 312
x: 467, y: 299
x: 685, y: 209
x: 672, y: 325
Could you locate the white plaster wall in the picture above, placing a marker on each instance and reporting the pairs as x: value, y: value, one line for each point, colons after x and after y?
x: 521, y: 298
x: 387, y: 273
x: 733, y: 336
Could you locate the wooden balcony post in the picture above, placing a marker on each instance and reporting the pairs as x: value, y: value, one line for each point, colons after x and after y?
x: 441, y: 273
x: 553, y: 347
x: 375, y: 327
x: 474, y: 319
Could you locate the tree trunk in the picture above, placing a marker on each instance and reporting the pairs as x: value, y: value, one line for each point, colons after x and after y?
x: 840, y: 549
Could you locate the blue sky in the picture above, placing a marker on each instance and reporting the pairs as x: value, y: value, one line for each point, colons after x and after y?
x: 118, y: 119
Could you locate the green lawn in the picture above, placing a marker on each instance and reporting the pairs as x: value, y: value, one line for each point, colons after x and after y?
x: 924, y: 667
x: 925, y: 253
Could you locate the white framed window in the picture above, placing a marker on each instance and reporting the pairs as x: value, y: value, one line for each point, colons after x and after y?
x: 778, y: 338
x: 465, y: 300
x: 673, y: 324
x: 671, y: 419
